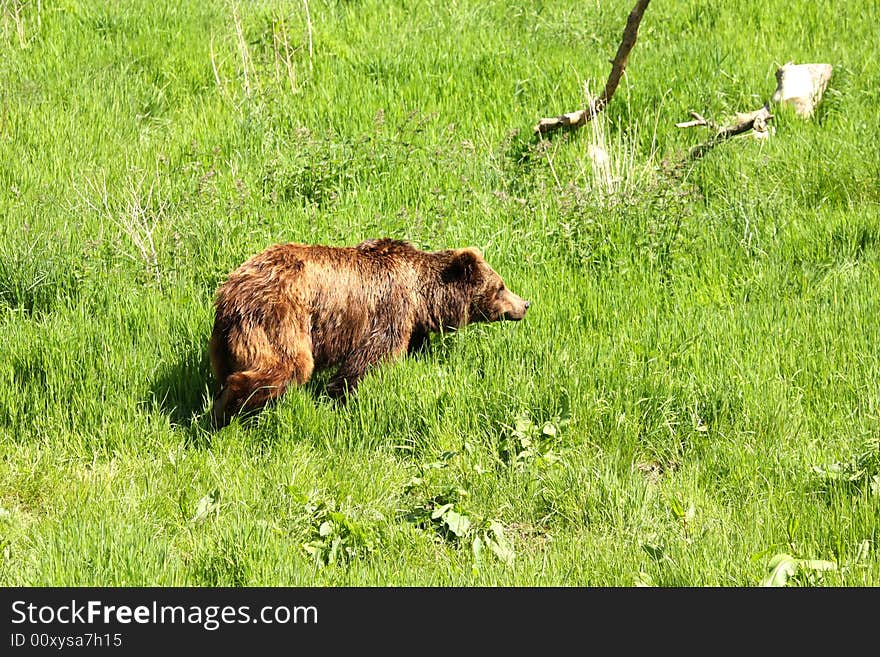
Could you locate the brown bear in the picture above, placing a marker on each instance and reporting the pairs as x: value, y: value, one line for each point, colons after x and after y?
x: 295, y: 308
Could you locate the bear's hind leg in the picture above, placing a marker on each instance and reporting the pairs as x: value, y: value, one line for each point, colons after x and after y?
x: 250, y: 390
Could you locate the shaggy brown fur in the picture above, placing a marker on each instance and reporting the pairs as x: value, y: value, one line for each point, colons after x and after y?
x: 295, y: 308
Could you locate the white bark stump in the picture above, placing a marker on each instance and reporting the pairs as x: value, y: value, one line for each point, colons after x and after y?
x: 801, y: 86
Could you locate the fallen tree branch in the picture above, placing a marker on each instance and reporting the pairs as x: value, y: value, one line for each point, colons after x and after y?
x: 798, y: 85
x: 618, y: 66
x: 756, y: 121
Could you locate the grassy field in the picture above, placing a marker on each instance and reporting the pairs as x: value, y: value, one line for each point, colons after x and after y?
x: 696, y: 388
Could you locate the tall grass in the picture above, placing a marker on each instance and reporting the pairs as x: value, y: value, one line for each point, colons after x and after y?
x: 694, y: 391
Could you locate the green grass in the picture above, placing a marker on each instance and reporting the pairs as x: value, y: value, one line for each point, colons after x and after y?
x: 696, y: 387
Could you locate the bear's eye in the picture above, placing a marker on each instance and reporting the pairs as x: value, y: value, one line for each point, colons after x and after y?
x: 501, y: 288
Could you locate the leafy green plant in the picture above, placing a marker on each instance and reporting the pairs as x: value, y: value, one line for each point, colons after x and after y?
x: 334, y: 537
x: 685, y: 515
x: 445, y: 514
x: 441, y: 511
x: 784, y: 568
x: 655, y: 547
x: 862, y: 472
x: 526, y: 440
x: 207, y: 507
x: 491, y: 536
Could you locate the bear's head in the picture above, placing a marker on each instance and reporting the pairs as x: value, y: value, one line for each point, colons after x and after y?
x: 486, y: 297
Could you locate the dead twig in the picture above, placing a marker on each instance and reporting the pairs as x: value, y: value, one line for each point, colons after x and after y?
x: 214, y: 63
x: 618, y: 66
x: 291, y: 73
x: 138, y: 216
x: 698, y: 120
x: 309, y: 26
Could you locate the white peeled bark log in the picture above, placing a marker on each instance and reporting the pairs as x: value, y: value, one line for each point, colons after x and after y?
x: 801, y: 86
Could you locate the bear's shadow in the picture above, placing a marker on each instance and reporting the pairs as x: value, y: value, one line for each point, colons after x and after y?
x: 183, y: 386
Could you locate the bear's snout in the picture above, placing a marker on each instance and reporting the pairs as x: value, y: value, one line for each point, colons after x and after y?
x: 517, y: 309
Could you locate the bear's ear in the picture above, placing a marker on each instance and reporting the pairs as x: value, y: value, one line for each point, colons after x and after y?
x: 461, y: 267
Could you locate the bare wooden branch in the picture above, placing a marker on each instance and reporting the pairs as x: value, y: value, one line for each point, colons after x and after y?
x: 756, y: 121
x: 618, y: 66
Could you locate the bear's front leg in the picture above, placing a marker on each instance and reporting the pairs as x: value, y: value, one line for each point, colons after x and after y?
x: 344, y: 382
x: 418, y: 342
x: 356, y: 365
